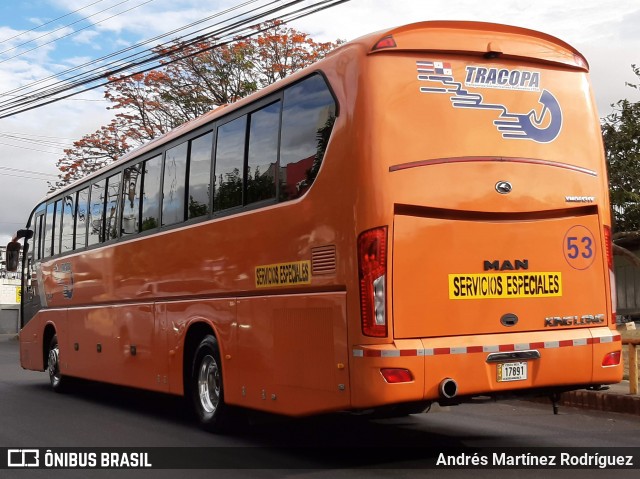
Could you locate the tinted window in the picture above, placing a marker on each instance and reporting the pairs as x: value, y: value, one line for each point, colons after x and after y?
x: 229, y: 164
x: 37, y: 240
x: 81, y: 218
x: 111, y: 213
x: 131, y: 199
x: 307, y: 119
x: 67, y: 224
x: 151, y: 193
x: 48, y: 231
x: 96, y: 210
x: 57, y: 227
x: 200, y: 176
x: 175, y: 173
x: 263, y: 153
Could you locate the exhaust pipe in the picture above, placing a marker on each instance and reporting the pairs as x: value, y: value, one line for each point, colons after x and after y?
x: 448, y: 388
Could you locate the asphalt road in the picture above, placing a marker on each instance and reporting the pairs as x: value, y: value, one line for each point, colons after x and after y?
x: 97, y: 415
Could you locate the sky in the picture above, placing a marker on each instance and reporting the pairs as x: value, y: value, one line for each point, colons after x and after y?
x: 39, y: 38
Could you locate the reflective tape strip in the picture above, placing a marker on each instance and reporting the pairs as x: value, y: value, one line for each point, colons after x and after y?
x: 392, y: 353
x: 395, y: 353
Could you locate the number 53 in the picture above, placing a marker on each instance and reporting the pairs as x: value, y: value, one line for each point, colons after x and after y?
x: 579, y: 247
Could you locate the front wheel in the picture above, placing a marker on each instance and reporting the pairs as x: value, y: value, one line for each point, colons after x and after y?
x: 205, y: 388
x: 53, y: 366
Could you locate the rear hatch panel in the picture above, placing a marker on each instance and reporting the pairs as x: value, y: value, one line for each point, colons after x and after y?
x: 470, y: 274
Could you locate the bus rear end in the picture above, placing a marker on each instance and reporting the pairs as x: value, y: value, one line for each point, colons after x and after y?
x: 494, y: 271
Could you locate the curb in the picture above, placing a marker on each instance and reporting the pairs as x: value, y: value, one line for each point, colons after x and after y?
x: 599, y: 401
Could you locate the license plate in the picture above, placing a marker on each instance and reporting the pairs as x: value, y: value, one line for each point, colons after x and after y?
x: 512, y: 371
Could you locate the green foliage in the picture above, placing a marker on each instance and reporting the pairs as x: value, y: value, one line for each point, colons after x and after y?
x: 196, y: 208
x: 621, y: 133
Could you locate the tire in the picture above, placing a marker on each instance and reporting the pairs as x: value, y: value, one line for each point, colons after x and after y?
x: 56, y: 379
x: 206, y: 386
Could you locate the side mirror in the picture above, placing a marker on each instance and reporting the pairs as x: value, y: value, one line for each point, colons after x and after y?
x: 13, y: 256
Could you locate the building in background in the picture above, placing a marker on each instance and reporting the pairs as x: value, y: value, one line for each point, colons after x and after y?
x: 10, y: 291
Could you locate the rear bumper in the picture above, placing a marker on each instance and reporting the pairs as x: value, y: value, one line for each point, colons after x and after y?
x: 569, y: 359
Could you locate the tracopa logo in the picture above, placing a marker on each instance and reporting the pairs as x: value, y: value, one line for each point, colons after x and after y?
x: 23, y: 458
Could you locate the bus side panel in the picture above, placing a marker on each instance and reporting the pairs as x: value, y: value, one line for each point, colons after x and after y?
x: 32, y: 337
x: 114, y: 344
x: 291, y: 354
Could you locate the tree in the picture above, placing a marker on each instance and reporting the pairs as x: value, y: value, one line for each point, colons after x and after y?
x: 621, y: 134
x: 194, y: 80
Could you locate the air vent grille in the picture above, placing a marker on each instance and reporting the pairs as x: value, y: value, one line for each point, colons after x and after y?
x: 323, y: 260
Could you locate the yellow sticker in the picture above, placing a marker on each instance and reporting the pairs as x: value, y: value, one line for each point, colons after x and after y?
x: 283, y: 274
x: 505, y: 285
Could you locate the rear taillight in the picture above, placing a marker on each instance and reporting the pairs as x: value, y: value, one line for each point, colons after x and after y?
x: 609, y: 245
x: 372, y: 269
x: 396, y: 375
x: 384, y: 42
x: 611, y: 359
x: 612, y: 278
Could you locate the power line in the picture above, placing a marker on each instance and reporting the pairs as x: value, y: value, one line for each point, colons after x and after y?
x: 26, y: 177
x: 243, y: 28
x: 69, y: 34
x: 49, y: 22
x: 37, y: 141
x: 56, y: 30
x: 130, y: 48
x: 117, y: 66
x: 35, y: 136
x: 31, y: 172
x: 31, y: 149
x: 42, y: 143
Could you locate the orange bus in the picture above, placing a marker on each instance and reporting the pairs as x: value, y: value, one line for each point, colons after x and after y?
x: 421, y: 216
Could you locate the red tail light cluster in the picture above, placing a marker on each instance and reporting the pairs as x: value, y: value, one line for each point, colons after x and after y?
x: 609, y: 245
x: 396, y: 375
x: 372, y: 269
x: 385, y: 42
x: 611, y: 359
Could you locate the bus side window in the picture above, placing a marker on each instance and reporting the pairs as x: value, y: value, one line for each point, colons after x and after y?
x: 37, y: 238
x: 131, y: 200
x: 229, y: 164
x: 200, y: 176
x: 48, y: 232
x: 81, y: 218
x: 307, y: 120
x: 67, y: 224
x: 57, y: 227
x: 263, y: 153
x: 175, y: 175
x: 96, y: 213
x: 151, y: 193
x: 111, y: 211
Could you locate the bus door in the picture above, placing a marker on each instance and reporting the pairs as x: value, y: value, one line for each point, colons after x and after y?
x: 31, y: 291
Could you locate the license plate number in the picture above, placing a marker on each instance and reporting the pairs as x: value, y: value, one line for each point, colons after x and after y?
x: 512, y: 371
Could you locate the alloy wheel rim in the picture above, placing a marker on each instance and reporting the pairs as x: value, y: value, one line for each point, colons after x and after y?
x: 209, y: 384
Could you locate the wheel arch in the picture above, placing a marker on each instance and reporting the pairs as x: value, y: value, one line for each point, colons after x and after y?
x: 49, y: 332
x: 196, y: 331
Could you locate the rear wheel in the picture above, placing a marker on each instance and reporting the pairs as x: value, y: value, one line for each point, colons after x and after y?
x: 205, y: 388
x: 53, y: 366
